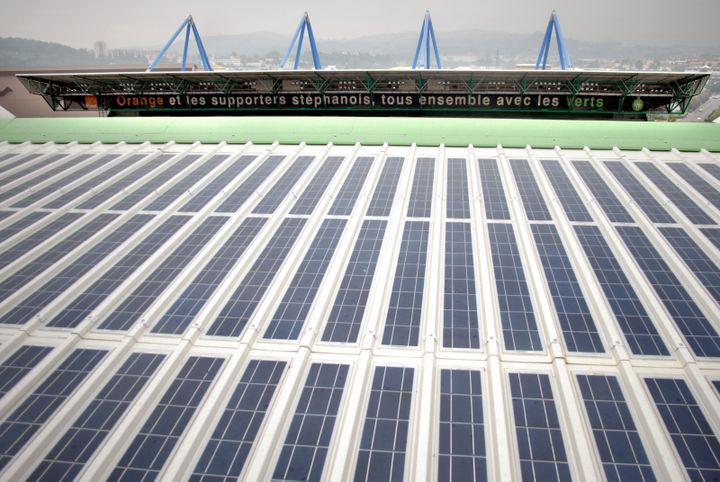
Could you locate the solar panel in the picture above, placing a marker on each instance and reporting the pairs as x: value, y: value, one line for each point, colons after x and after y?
x: 19, y: 364
x: 535, y: 207
x: 697, y: 182
x: 384, y: 195
x: 20, y: 224
x: 312, y: 194
x: 39, y: 178
x: 712, y: 169
x: 460, y: 312
x: 607, y: 199
x: 650, y: 206
x: 242, y: 193
x: 350, y: 190
x: 421, y: 192
x: 565, y: 191
x: 493, y: 193
x: 272, y: 199
x: 458, y: 202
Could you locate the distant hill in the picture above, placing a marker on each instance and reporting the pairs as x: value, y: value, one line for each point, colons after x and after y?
x: 19, y: 52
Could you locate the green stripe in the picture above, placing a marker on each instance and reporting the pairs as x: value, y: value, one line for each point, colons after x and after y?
x: 538, y: 133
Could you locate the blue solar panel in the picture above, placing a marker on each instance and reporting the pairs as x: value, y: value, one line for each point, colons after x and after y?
x: 52, y: 289
x: 19, y: 364
x: 151, y: 186
x: 39, y: 177
x: 183, y: 185
x: 540, y: 441
x: 683, y: 202
x: 697, y: 330
x: 535, y: 207
x: 34, y: 168
x: 316, y: 188
x: 576, y: 322
x: 59, y: 184
x: 402, y: 325
x: 460, y: 313
x: 190, y: 302
x: 461, y: 449
x: 520, y: 330
x: 383, y: 442
x: 240, y: 307
x: 458, y: 198
x: 121, y: 183
x: 617, y: 440
x: 695, y: 258
x: 713, y: 234
x: 493, y: 193
x: 347, y: 312
x: 350, y: 190
x: 272, y: 199
x: 151, y: 448
x: 420, y: 204
x: 697, y: 182
x: 132, y: 308
x: 382, y: 200
x: 612, y: 206
x: 306, y: 445
x: 250, y: 185
x: 712, y: 169
x: 291, y: 313
x: 565, y: 191
x: 21, y: 224
x: 100, y: 289
x: 89, y: 185
x: 15, y: 163
x: 636, y: 325
x: 32, y: 414
x: 200, y: 200
x: 6, y: 214
x: 227, y: 450
x: 689, y: 430
x: 650, y: 206
x: 69, y: 456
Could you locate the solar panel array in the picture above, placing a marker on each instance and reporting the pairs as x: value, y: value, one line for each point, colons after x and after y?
x: 269, y: 312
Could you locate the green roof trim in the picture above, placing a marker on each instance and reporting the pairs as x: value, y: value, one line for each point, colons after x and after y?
x: 538, y: 133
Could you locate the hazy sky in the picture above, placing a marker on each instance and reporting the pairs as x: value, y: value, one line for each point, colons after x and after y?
x: 128, y: 23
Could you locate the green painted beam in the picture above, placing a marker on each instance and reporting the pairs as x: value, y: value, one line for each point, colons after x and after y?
x: 537, y: 133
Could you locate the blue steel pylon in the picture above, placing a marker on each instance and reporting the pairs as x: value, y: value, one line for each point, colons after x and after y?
x: 545, y: 47
x: 304, y: 23
x: 422, y: 52
x: 188, y: 24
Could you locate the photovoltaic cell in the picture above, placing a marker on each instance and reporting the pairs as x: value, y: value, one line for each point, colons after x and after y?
x: 248, y: 187
x: 535, y: 207
x: 695, y: 258
x: 44, y: 295
x: 617, y: 440
x: 21, y: 224
x: 493, y: 193
x: 683, y: 202
x: 540, y: 442
x: 639, y: 330
x: 8, y: 156
x: 576, y: 322
x: 458, y: 198
x: 122, y: 183
x: 13, y: 164
x: 350, y: 190
x: 689, y: 430
x: 461, y: 450
x: 384, y: 196
x: 69, y: 456
x: 199, y: 200
x: 239, y: 308
x: 90, y: 184
x: 697, y: 182
x: 129, y: 200
x: 291, y: 313
x: 6, y: 214
x: 20, y: 426
x: 19, y: 364
x: 272, y: 199
x: 565, y: 191
x: 16, y: 281
x: 650, y: 206
x: 153, y: 445
x: 422, y: 188
x: 697, y: 330
x: 35, y: 168
x: 99, y: 290
x: 312, y: 194
x: 59, y: 184
x: 39, y: 177
x: 402, y: 325
x: 384, y: 438
x: 132, y: 308
x: 460, y: 319
x: 227, y: 450
x: 191, y: 301
x: 520, y: 331
x: 183, y: 185
x: 346, y: 316
x: 612, y: 206
x: 306, y: 446
x: 712, y: 169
